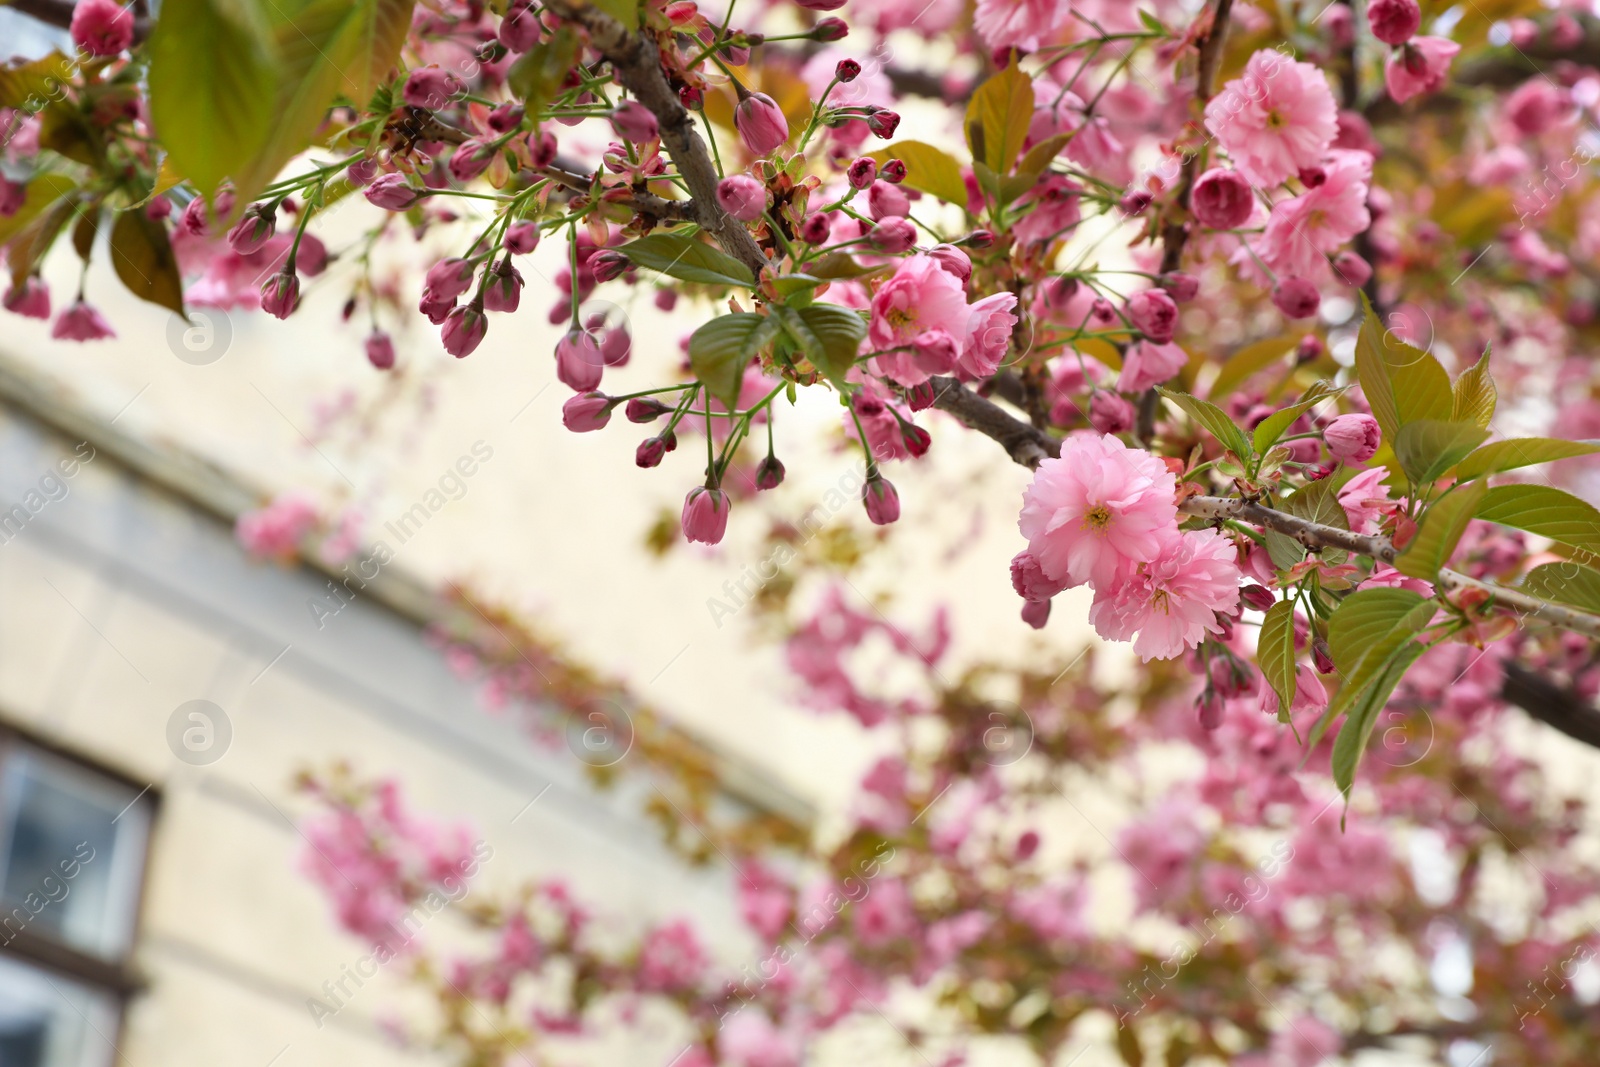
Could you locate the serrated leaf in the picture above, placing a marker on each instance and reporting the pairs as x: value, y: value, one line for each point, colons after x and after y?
x: 930, y: 169
x: 838, y: 265
x: 1543, y: 510
x: 1214, y: 419
x: 720, y: 350
x: 687, y: 259
x: 1565, y: 583
x: 1474, y: 394
x: 1368, y: 634
x: 1319, y: 502
x: 829, y: 335
x: 1500, y: 456
x: 542, y: 69
x: 1002, y: 109
x: 1271, y: 428
x: 26, y: 85
x: 1427, y: 448
x: 1275, y: 652
x: 1250, y: 360
x: 1440, y: 532
x: 214, y: 85
x: 1351, y: 743
x: 1402, y: 383
x: 142, y: 256
x: 1363, y: 619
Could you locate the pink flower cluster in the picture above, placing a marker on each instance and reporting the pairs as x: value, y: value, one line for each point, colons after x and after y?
x: 922, y: 324
x: 1103, y: 515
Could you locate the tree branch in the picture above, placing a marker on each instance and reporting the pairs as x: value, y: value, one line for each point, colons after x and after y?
x: 637, y: 63
x: 1551, y: 704
x: 1175, y: 234
x: 1025, y: 443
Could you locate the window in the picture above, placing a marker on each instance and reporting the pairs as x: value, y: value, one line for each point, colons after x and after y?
x: 72, y: 848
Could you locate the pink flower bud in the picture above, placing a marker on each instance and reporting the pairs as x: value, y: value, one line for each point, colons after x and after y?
x: 252, y: 230
x: 815, y: 229
x: 1312, y: 177
x: 196, y: 218
x: 1221, y: 199
x: 883, y: 123
x: 1309, y: 349
x: 893, y: 235
x: 862, y: 172
x: 769, y: 475
x: 649, y: 453
x: 1394, y: 21
x: 586, y: 412
x: 1352, y: 269
x: 760, y: 123
x: 449, y: 278
x: 361, y: 172
x: 1353, y: 438
x: 12, y: 196
x: 392, y: 193
x: 463, y: 330
x: 542, y: 149
x: 742, y: 197
x: 614, y: 342
x: 80, y: 322
x: 1339, y: 24
x: 102, y: 27
x: 380, y: 350
x: 1418, y: 66
x: 1183, y: 287
x: 579, y: 364
x: 1209, y: 704
x: 705, y: 515
x: 608, y: 264
x: 1102, y: 313
x: 1029, y: 579
x: 847, y: 70
x: 916, y: 439
x: 882, y: 502
x: 979, y: 239
x: 1036, y: 613
x: 831, y: 29
x: 430, y: 87
x: 280, y: 295
x: 1154, y: 314
x: 894, y: 171
x: 643, y: 409
x: 435, y: 307
x: 820, y: 5
x: 519, y: 30
x: 505, y: 118
x: 1110, y: 413
x: 1230, y: 677
x: 470, y: 159
x: 504, y: 291
x: 920, y: 397
x: 1135, y: 203
x: 634, y: 122
x: 1296, y: 298
x: 1321, y: 657
x: 1258, y: 596
x: 887, y: 201
x: 953, y: 260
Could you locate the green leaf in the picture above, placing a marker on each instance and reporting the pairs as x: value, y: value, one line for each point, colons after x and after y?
x: 687, y: 259
x: 1002, y: 109
x: 838, y: 265
x: 27, y: 249
x: 214, y: 86
x: 1401, y: 383
x: 1363, y: 619
x: 1543, y: 510
x: 540, y: 72
x: 1475, y: 394
x: 1249, y: 360
x: 1427, y: 448
x: 1275, y: 652
x: 1441, y: 530
x: 1032, y: 167
x: 1214, y: 419
x: 929, y: 169
x: 1500, y: 456
x: 829, y: 335
x: 1363, y: 714
x: 1319, y: 502
x: 1565, y: 583
x: 720, y: 350
x: 624, y: 11
x: 142, y: 256
x: 27, y: 86
x: 39, y: 196
x: 1271, y: 428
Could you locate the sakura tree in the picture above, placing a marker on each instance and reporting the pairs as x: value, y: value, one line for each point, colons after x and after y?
x: 1284, y: 304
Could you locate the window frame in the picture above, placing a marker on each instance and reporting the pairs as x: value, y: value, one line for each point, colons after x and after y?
x: 117, y: 978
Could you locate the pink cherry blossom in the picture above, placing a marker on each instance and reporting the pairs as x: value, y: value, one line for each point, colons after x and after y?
x: 1420, y: 66
x: 1098, y: 511
x: 1171, y: 603
x: 81, y: 322
x: 1276, y: 119
x: 920, y: 296
x: 990, y: 322
x: 1302, y: 231
x: 1148, y: 363
x: 1023, y: 24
